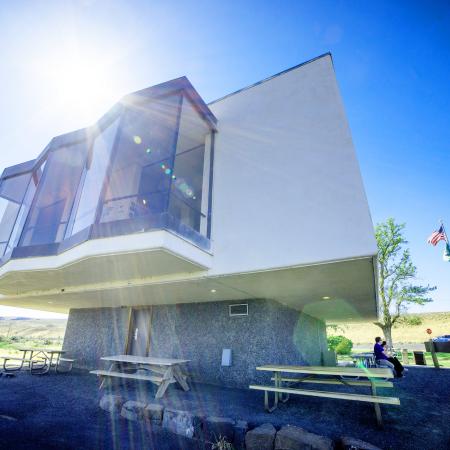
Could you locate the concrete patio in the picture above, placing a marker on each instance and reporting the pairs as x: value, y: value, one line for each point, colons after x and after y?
x: 62, y: 412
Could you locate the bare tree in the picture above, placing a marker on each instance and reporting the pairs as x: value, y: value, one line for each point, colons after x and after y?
x: 396, y: 277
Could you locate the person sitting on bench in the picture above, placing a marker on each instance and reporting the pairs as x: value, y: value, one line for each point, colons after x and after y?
x: 384, y: 360
x: 394, y: 360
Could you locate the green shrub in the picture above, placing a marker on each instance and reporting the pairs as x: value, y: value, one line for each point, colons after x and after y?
x: 340, y: 344
x: 409, y: 321
x: 413, y: 320
x: 344, y: 347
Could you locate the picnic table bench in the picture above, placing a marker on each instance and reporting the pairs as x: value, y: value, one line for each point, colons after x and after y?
x: 39, y: 360
x: 160, y: 371
x: 327, y: 376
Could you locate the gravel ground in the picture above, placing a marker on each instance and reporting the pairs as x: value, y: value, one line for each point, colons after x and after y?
x: 62, y: 412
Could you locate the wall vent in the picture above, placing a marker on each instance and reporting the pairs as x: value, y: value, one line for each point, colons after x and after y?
x: 238, y: 310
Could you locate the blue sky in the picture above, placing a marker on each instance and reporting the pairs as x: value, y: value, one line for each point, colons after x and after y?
x: 65, y: 63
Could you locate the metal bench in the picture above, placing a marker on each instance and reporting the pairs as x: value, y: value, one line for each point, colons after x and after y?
x: 17, y: 367
x: 66, y: 362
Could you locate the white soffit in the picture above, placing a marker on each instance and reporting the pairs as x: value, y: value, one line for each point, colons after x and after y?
x: 108, y: 260
x: 334, y: 291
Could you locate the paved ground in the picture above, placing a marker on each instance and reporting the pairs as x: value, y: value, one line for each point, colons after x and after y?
x: 61, y: 412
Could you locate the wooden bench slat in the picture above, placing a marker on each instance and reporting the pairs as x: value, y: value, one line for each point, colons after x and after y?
x: 380, y: 384
x: 134, y: 376
x: 338, y: 395
x: 322, y: 370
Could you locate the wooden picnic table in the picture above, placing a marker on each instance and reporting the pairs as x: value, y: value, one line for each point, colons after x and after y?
x: 376, y: 377
x: 161, y: 371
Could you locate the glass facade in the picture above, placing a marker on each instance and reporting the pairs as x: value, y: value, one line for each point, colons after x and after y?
x: 49, y: 215
x: 26, y: 204
x: 12, y: 192
x: 89, y: 189
x: 190, y: 180
x: 146, y: 167
x: 139, y: 181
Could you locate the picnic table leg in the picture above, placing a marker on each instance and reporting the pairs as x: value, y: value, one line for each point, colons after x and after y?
x: 14, y: 368
x: 45, y: 368
x: 167, y: 378
x: 272, y: 408
x: 433, y: 355
x: 180, y: 377
x: 24, y: 357
x: 58, y: 355
x: 376, y: 405
x: 278, y: 383
x: 104, y: 378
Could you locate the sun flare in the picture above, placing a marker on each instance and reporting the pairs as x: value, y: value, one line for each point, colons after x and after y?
x: 81, y: 83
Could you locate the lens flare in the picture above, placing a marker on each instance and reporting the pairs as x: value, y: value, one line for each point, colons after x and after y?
x: 137, y: 140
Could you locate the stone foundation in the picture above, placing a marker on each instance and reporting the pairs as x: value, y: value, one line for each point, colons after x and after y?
x: 271, y: 334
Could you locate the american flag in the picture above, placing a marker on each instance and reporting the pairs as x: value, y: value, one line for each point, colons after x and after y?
x: 437, y: 236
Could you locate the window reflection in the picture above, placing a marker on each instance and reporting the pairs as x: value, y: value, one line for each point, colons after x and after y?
x: 92, y: 180
x: 190, y: 181
x: 25, y: 207
x: 151, y: 163
x: 12, y: 191
x: 48, y: 218
x: 140, y: 177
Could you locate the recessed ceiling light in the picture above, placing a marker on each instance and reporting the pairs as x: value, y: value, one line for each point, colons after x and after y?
x: 326, y: 298
x: 213, y: 291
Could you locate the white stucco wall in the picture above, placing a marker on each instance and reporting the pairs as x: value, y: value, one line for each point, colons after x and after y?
x: 287, y: 186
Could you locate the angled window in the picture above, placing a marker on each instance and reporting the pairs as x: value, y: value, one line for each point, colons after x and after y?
x: 25, y: 207
x: 146, y: 165
x: 52, y: 205
x: 139, y: 181
x: 89, y: 190
x: 191, y: 177
x: 12, y: 192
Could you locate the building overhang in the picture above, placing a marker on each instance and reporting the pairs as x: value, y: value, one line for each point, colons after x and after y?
x: 104, y: 262
x: 332, y: 291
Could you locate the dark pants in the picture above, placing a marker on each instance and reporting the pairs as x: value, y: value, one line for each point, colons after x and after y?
x: 398, y: 366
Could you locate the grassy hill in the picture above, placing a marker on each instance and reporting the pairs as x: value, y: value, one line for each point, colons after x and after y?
x: 410, y: 330
x: 17, y: 332
x: 32, y: 328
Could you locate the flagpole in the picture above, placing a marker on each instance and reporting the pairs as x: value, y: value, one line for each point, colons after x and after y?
x: 445, y: 232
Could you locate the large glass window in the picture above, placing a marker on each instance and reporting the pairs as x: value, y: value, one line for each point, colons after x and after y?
x: 141, y: 171
x: 89, y: 190
x: 49, y: 215
x: 25, y: 208
x: 152, y: 163
x: 12, y: 192
x: 190, y: 181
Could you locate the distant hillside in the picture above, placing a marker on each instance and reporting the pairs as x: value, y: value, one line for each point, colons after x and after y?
x: 410, y: 330
x: 32, y: 328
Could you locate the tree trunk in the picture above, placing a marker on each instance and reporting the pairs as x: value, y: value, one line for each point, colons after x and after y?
x: 387, y: 330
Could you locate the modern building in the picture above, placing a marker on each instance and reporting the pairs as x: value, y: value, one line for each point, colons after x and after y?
x: 177, y: 228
